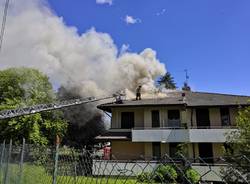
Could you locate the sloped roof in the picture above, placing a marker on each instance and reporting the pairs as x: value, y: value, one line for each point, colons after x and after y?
x: 192, y: 99
x: 216, y: 99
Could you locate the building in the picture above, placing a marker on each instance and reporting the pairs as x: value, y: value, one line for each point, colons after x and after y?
x: 151, y: 128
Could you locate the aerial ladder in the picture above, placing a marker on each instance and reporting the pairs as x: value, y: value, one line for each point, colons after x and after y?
x: 12, y: 113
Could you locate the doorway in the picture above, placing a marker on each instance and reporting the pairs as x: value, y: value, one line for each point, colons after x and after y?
x: 156, y: 149
x: 155, y: 118
x: 206, y: 152
x: 202, y: 118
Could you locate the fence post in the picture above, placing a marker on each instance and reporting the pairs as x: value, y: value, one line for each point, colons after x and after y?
x: 6, y: 176
x: 56, y: 160
x: 1, y: 160
x: 21, y: 162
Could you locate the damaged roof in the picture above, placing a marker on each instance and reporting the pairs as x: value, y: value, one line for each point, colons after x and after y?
x: 191, y: 99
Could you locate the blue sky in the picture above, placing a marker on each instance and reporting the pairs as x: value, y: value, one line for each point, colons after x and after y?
x: 210, y: 38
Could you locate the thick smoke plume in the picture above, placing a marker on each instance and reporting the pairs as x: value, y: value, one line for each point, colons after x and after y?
x: 84, y: 122
x: 37, y: 37
x: 85, y: 65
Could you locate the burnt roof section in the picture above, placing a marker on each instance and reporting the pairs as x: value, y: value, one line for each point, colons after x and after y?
x: 191, y: 99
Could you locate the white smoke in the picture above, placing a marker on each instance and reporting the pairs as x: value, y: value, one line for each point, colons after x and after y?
x: 36, y: 37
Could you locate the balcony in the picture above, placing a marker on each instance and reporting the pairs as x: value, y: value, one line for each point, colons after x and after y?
x: 115, y: 134
x: 170, y: 134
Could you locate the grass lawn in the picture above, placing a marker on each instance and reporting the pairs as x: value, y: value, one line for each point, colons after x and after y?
x: 33, y: 174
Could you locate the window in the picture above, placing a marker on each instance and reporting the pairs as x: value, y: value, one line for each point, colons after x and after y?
x: 174, y: 118
x: 225, y: 116
x: 202, y: 118
x: 173, y: 148
x: 127, y: 120
x: 156, y: 149
x: 155, y: 118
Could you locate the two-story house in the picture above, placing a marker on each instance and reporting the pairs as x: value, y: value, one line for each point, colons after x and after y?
x: 151, y: 128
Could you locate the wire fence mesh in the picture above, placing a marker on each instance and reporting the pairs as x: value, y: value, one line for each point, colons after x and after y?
x: 31, y: 164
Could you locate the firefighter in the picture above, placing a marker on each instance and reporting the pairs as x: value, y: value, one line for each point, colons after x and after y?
x: 138, y: 93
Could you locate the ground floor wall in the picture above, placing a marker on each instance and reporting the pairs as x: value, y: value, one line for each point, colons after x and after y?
x: 127, y: 150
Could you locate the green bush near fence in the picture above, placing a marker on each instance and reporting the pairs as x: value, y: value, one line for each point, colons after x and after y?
x: 166, y: 173
x: 145, y: 177
x: 192, y: 175
x: 163, y: 173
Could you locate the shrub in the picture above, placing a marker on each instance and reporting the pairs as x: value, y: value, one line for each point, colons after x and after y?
x: 144, y: 177
x: 165, y: 173
x: 192, y: 175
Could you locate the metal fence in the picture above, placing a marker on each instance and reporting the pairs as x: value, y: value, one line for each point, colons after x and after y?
x: 31, y: 164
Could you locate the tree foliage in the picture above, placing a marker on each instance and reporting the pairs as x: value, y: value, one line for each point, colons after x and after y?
x: 22, y: 87
x: 237, y: 148
x: 241, y: 138
x: 167, y: 81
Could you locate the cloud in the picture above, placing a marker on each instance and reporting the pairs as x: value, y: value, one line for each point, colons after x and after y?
x: 110, y: 2
x: 162, y: 12
x: 35, y: 37
x: 124, y: 49
x: 131, y: 20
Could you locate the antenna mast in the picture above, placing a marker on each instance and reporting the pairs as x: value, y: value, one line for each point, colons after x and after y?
x: 186, y: 87
x: 187, y: 77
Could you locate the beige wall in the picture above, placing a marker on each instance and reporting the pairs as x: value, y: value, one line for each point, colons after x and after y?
x: 164, y: 149
x: 217, y: 150
x: 214, y: 115
x: 116, y: 116
x: 143, y: 116
x: 126, y: 150
x: 148, y: 150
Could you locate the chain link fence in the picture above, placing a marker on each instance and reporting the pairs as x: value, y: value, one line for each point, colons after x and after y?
x: 31, y: 164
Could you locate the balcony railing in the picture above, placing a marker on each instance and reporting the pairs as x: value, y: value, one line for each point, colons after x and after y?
x: 185, y: 127
x: 209, y: 134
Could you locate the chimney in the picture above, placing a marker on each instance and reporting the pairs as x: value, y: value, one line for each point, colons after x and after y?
x: 183, y: 95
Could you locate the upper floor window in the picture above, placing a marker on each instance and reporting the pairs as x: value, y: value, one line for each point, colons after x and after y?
x: 127, y: 120
x: 225, y: 116
x: 174, y: 118
x: 155, y: 118
x: 202, y: 118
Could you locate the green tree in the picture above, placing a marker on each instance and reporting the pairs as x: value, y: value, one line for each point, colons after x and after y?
x: 22, y: 87
x: 167, y: 81
x: 237, y: 148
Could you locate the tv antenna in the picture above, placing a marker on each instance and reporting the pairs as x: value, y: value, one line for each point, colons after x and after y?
x: 186, y: 76
x: 186, y: 87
